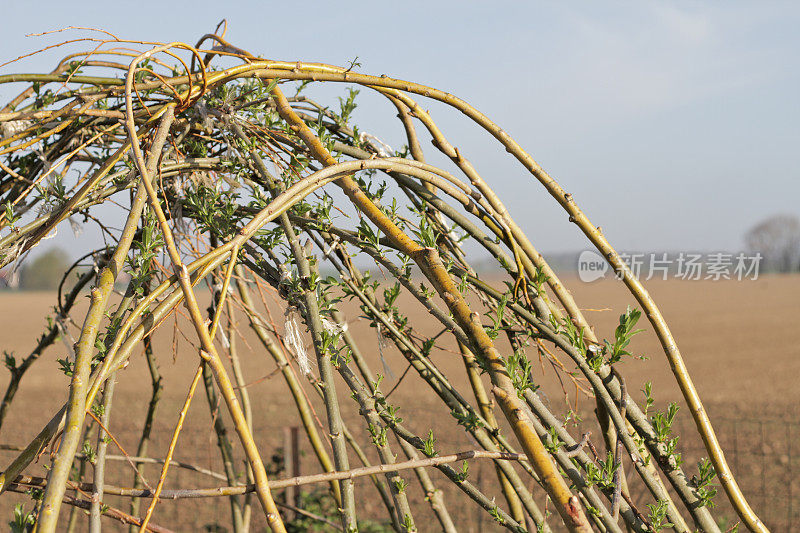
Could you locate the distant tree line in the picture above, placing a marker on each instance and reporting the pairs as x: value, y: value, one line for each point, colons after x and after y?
x: 43, y: 273
x: 777, y: 239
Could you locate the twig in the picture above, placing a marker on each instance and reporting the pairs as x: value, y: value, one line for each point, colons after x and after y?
x: 178, y: 426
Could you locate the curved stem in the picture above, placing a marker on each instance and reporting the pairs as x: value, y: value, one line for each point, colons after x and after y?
x: 48, y: 515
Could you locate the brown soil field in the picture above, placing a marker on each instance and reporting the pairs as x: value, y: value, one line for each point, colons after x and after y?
x: 738, y: 339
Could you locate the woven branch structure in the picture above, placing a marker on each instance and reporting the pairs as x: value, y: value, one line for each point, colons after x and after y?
x: 231, y: 179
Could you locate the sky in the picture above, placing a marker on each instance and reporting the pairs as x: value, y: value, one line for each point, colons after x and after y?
x: 675, y: 125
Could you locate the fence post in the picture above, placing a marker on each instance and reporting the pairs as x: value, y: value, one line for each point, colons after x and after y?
x: 291, y: 459
x: 790, y: 521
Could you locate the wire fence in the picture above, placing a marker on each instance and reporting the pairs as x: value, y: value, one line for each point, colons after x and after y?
x: 761, y: 451
x: 764, y: 458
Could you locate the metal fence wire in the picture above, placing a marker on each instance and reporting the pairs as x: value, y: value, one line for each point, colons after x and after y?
x: 761, y: 451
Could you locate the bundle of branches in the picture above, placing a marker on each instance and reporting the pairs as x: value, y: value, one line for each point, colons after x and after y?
x: 228, y: 181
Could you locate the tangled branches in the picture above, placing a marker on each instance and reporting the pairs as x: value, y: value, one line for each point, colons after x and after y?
x: 228, y: 181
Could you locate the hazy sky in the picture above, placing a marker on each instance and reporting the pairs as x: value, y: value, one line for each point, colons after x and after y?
x: 675, y: 125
